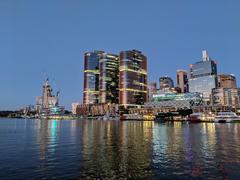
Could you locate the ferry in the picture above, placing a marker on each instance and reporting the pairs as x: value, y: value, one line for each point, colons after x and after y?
x: 201, y: 117
x: 111, y: 117
x: 226, y: 117
x: 126, y: 117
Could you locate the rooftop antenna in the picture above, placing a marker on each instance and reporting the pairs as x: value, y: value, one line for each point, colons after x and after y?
x: 205, y: 56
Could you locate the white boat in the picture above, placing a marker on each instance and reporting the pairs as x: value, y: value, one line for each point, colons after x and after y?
x: 226, y: 117
x: 126, y: 117
x: 111, y: 117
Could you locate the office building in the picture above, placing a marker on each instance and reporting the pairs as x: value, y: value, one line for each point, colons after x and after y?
x: 203, y: 77
x: 182, y: 81
x: 108, y: 78
x: 227, y: 81
x: 166, y: 82
x: 132, y: 78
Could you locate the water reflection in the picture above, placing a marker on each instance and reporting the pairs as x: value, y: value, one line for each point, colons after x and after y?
x: 117, y: 150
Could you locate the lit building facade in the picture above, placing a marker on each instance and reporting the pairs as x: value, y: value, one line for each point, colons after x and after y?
x: 48, y: 103
x: 109, y: 78
x: 203, y: 77
x: 91, y: 77
x: 166, y: 82
x: 175, y: 100
x: 132, y: 78
x: 182, y: 80
x: 227, y: 81
x: 226, y: 97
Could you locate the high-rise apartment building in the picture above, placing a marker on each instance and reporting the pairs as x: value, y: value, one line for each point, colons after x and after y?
x: 166, y: 82
x: 91, y: 77
x: 109, y: 78
x: 132, y: 78
x: 203, y: 77
x: 182, y: 80
x: 227, y: 81
x: 101, y: 78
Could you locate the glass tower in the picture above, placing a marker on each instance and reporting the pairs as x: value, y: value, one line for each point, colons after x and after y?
x: 203, y: 77
x: 109, y: 78
x: 132, y: 78
x: 91, y: 77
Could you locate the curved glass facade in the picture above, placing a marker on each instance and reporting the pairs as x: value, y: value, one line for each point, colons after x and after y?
x: 109, y: 78
x: 132, y: 78
x: 91, y: 77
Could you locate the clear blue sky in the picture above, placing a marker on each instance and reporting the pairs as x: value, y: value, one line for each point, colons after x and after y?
x: 51, y: 37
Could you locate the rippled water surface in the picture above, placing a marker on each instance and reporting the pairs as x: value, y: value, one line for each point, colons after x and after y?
x: 88, y: 149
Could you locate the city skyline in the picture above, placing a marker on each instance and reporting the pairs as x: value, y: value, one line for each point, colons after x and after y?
x: 55, y: 42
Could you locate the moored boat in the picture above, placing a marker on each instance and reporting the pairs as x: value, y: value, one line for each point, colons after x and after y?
x: 227, y: 117
x: 126, y: 117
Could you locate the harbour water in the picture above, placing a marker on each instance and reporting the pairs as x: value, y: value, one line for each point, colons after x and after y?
x: 88, y: 149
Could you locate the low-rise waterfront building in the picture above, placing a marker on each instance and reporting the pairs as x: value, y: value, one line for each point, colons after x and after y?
x: 226, y: 97
x: 96, y: 109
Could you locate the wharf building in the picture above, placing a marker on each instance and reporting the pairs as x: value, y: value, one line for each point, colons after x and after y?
x: 203, y: 77
x: 100, y: 78
x: 132, y: 78
x: 182, y: 80
x: 165, y: 102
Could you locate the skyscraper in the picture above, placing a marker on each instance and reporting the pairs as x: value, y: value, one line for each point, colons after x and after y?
x: 182, y: 80
x: 227, y: 81
x: 47, y: 101
x: 132, y: 78
x: 203, y: 77
x: 91, y: 77
x: 166, y: 82
x: 109, y: 78
x: 101, y: 78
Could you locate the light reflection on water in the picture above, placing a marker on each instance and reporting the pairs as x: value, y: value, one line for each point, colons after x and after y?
x: 114, y: 150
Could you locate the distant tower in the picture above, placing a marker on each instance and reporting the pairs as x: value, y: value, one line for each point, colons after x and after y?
x: 47, y: 100
x: 166, y: 82
x: 182, y: 80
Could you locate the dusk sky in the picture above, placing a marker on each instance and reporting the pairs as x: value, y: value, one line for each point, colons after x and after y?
x: 50, y: 37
